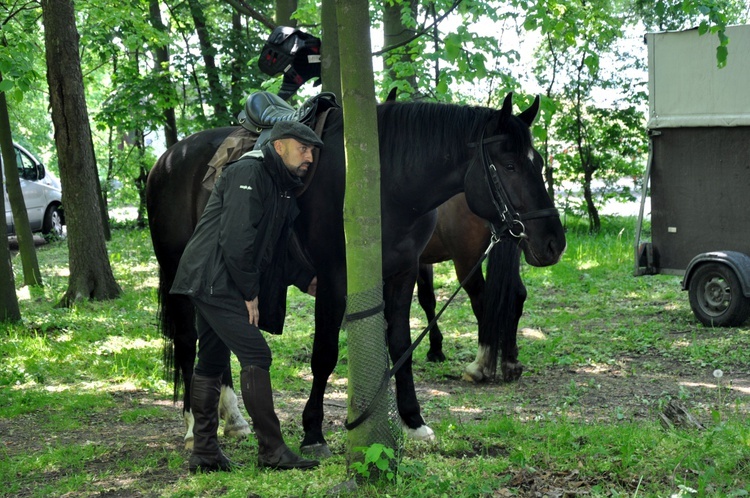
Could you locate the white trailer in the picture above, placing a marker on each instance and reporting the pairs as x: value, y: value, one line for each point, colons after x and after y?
x: 699, y: 171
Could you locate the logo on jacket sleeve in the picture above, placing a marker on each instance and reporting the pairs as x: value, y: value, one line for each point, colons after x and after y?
x: 246, y: 187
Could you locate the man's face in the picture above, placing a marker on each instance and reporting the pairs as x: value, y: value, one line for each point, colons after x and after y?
x: 297, y: 157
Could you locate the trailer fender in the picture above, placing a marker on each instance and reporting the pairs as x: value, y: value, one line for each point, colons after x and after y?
x: 738, y: 262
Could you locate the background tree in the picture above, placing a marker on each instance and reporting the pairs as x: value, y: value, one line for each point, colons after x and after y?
x: 9, y: 311
x: 22, y: 229
x: 90, y: 273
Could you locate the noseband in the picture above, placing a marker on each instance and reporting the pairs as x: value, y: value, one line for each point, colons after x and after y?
x: 510, y: 217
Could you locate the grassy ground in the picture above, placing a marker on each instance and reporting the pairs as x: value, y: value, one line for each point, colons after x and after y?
x: 85, y: 409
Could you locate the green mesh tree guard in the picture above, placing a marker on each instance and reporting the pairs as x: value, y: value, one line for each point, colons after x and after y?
x: 370, y: 390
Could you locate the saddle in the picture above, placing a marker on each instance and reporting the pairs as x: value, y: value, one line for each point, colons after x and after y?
x: 264, y: 109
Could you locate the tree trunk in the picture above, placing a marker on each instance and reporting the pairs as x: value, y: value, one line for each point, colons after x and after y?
x: 31, y: 273
x: 90, y: 272
x: 330, y: 70
x: 284, y: 11
x: 215, y: 90
x: 595, y: 223
x: 236, y: 89
x: 161, y: 55
x: 396, y: 32
x: 368, y: 355
x: 9, y: 311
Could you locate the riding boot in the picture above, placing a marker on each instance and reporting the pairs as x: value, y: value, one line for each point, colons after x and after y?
x: 204, y: 398
x: 258, y: 398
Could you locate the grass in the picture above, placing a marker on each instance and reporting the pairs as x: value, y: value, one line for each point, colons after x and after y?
x: 85, y: 409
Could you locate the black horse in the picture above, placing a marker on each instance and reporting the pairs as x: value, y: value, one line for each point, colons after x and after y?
x: 429, y: 152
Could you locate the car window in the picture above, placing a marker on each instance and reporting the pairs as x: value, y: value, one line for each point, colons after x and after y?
x: 26, y: 167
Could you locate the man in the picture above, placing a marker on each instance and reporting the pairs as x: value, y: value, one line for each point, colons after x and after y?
x: 224, y: 270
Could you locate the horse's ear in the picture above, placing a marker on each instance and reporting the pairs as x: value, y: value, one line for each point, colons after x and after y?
x: 507, y: 108
x: 392, y: 95
x: 529, y: 115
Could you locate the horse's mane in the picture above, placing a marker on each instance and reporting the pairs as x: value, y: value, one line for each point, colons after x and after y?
x: 425, y: 128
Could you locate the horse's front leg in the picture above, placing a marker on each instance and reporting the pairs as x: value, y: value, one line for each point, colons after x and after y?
x: 235, y: 424
x: 426, y: 297
x: 329, y: 310
x: 509, y: 364
x: 397, y: 293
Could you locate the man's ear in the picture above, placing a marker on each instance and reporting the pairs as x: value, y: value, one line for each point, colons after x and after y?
x: 278, y: 146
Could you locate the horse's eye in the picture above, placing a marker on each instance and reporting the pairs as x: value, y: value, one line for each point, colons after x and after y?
x: 510, y: 167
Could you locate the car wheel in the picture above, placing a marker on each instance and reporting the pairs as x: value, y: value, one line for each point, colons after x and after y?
x: 53, y: 222
x: 716, y: 296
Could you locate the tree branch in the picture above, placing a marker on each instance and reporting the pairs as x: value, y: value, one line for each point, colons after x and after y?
x: 419, y: 33
x: 242, y: 7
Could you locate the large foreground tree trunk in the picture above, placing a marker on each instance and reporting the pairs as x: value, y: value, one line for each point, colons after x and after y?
x: 366, y: 338
x: 90, y: 273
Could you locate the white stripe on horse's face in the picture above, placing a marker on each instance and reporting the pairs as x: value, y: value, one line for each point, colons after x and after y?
x: 530, y: 154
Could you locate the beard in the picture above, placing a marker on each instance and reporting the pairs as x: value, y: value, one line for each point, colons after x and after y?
x: 302, y: 169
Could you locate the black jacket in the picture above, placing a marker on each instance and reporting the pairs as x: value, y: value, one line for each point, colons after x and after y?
x: 239, y: 249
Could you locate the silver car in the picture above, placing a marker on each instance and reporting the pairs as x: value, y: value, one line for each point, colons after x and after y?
x: 42, y: 194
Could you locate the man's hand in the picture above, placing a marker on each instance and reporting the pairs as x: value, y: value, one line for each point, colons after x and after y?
x: 312, y: 289
x: 252, y: 311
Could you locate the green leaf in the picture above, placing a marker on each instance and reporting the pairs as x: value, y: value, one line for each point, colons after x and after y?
x: 5, y: 85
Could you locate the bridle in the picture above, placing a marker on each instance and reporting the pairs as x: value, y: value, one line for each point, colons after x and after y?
x: 510, y: 217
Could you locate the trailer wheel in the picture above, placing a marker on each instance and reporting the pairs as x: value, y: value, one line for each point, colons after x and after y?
x: 716, y: 296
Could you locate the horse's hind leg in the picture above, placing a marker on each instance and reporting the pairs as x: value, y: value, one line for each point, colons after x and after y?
x: 184, y: 357
x: 426, y: 297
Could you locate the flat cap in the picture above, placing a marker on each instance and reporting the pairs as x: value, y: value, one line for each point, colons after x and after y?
x: 295, y: 130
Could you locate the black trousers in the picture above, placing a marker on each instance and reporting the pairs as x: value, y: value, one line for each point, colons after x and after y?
x: 221, y: 332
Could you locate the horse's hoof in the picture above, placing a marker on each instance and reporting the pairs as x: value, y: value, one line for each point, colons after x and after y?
x: 317, y: 450
x: 512, y: 371
x: 237, y: 430
x: 475, y: 374
x: 438, y: 357
x: 421, y: 433
x: 189, y: 443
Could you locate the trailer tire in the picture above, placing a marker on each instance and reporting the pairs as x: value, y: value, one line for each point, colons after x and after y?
x: 716, y: 296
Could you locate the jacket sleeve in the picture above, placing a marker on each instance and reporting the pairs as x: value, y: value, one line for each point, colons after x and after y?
x: 241, y: 215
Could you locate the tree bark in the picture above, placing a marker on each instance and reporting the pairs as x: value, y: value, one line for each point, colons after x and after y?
x: 22, y: 229
x: 284, y: 11
x: 9, y: 311
x: 90, y: 272
x: 395, y: 32
x: 362, y: 229
x: 330, y: 70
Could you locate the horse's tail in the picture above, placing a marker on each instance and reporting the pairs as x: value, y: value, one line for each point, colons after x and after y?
x: 170, y: 306
x: 503, y: 299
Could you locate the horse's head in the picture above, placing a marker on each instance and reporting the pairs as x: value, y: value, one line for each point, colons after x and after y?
x: 504, y: 185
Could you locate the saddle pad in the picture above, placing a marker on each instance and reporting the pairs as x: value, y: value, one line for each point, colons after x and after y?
x: 237, y: 143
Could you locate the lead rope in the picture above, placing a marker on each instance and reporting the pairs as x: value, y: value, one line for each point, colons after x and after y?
x: 400, y: 362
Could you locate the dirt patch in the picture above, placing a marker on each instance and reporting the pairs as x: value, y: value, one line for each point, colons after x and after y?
x: 630, y: 388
